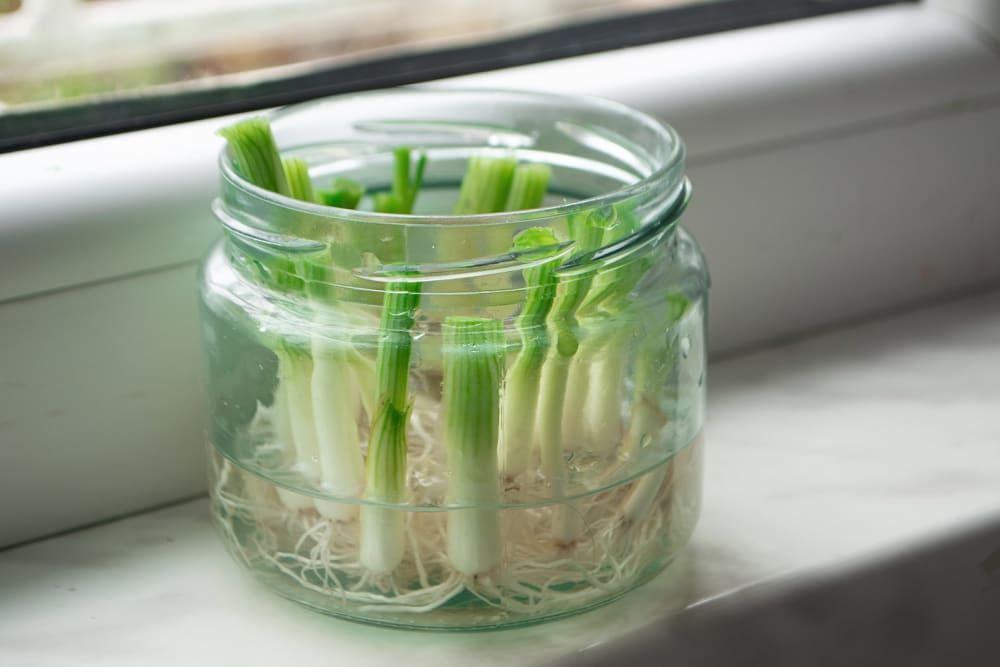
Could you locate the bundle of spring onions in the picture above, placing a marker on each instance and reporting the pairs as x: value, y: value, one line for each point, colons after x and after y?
x: 515, y: 403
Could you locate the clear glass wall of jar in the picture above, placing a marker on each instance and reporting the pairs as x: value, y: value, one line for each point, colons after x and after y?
x: 567, y: 469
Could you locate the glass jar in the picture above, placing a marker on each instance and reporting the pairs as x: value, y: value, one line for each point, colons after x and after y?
x: 408, y: 426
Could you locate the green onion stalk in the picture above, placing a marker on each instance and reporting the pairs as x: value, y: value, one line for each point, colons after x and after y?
x: 589, y: 360
x: 528, y: 188
x: 575, y: 433
x: 485, y: 188
x: 522, y: 390
x: 555, y: 374
x: 257, y: 159
x: 656, y: 362
x: 293, y: 398
x: 491, y: 185
x: 474, y: 365
x: 473, y: 360
x: 383, y: 540
x: 486, y: 185
x: 382, y: 530
x: 291, y: 411
x: 347, y: 194
x: 334, y: 404
x: 314, y: 407
x: 344, y: 193
x: 399, y: 199
x: 597, y: 372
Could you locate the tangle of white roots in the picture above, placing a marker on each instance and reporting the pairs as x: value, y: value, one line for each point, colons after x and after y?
x: 537, y: 577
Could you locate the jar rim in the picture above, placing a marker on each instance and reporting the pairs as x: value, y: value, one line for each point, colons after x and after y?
x: 659, y: 176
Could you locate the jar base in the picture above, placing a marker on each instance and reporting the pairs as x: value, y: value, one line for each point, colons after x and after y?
x: 466, y: 623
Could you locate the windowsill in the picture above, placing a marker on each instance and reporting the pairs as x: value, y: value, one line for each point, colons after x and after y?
x: 823, y: 451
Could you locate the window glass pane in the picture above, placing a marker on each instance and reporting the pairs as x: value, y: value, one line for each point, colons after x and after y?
x: 72, y: 50
x: 74, y: 69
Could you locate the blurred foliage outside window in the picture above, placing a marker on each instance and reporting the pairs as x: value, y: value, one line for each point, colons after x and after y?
x: 55, y: 52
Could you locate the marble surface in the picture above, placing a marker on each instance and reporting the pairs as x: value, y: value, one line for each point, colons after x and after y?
x: 822, y: 454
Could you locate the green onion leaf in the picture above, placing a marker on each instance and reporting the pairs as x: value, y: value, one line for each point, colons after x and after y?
x: 345, y: 193
x: 522, y: 390
x: 486, y: 185
x: 256, y: 153
x: 299, y: 184
x: 528, y: 187
x: 382, y: 540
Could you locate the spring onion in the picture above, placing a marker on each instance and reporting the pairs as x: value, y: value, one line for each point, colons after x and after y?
x: 382, y: 531
x: 586, y: 235
x: 255, y: 153
x: 473, y: 356
x: 382, y: 539
x: 528, y: 187
x: 657, y: 358
x: 521, y: 394
x: 313, y: 405
x: 604, y: 353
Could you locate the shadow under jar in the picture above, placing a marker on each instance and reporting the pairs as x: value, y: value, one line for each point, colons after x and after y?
x: 518, y: 462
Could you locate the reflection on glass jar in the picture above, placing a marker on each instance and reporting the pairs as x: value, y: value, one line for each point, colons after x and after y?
x: 458, y: 420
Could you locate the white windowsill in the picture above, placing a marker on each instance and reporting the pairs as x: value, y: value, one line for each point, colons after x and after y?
x: 820, y: 453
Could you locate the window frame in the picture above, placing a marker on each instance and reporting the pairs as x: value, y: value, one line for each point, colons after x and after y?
x: 32, y: 128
